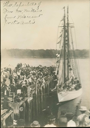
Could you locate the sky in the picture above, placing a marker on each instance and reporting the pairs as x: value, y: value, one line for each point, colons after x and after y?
x: 44, y: 33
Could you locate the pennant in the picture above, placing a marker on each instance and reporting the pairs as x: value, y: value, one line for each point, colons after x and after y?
x: 60, y: 35
x: 59, y: 42
x: 58, y: 55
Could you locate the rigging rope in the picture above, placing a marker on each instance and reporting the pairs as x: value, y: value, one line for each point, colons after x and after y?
x: 76, y: 47
x: 57, y: 36
x: 59, y: 45
x: 74, y: 56
x: 60, y: 53
x: 71, y: 61
x: 56, y: 46
x: 75, y: 38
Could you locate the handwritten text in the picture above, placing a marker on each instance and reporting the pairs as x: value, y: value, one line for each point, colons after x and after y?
x: 21, y: 12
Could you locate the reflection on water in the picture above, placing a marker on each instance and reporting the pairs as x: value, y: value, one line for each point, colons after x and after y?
x: 83, y: 65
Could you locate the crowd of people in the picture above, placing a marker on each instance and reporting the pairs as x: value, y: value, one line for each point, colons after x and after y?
x: 71, y: 83
x: 68, y: 120
x: 23, y: 80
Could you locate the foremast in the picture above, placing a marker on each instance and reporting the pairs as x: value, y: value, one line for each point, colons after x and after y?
x: 68, y: 42
x: 66, y: 45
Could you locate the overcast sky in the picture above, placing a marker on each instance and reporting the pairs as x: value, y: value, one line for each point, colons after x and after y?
x: 43, y: 34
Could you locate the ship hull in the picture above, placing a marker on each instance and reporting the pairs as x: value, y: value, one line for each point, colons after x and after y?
x: 69, y: 95
x: 69, y: 103
x: 71, y: 106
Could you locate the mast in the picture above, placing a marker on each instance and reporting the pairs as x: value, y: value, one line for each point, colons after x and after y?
x: 64, y: 49
x: 67, y: 42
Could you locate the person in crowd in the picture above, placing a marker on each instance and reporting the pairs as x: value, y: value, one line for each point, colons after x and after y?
x: 5, y: 95
x: 70, y: 120
x: 87, y: 119
x: 35, y: 124
x: 63, y: 119
x: 13, y: 88
x: 81, y: 118
x: 51, y: 122
x: 78, y: 85
x: 25, y: 76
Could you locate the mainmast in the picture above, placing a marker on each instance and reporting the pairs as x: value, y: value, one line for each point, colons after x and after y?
x: 65, y: 45
x: 67, y: 42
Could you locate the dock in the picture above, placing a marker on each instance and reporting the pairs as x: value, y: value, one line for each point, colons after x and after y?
x: 28, y: 109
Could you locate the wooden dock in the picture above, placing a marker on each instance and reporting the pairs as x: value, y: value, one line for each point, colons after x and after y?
x: 28, y: 109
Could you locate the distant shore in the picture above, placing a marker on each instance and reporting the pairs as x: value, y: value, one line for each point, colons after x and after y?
x: 41, y: 53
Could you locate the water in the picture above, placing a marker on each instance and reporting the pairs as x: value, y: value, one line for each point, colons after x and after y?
x: 83, y: 65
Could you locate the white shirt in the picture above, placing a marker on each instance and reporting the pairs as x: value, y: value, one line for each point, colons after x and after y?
x: 30, y: 80
x: 71, y: 123
x: 18, y: 73
x: 28, y: 91
x: 81, y: 117
x: 87, y: 121
x: 49, y: 125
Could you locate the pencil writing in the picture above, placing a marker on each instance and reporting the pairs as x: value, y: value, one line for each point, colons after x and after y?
x: 23, y: 12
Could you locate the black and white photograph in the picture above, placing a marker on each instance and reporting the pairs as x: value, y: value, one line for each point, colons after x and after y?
x: 45, y: 63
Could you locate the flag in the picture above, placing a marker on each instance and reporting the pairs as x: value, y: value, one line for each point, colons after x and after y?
x: 59, y: 42
x: 60, y: 35
x: 58, y: 55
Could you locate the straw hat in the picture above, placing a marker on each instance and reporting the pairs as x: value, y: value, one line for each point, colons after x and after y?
x: 35, y: 124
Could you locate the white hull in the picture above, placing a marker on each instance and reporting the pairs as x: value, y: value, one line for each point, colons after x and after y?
x: 69, y: 95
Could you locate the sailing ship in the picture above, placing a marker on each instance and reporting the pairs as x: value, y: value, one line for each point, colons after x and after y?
x: 68, y: 84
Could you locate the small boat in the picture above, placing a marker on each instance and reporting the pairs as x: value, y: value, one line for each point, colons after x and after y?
x: 68, y: 79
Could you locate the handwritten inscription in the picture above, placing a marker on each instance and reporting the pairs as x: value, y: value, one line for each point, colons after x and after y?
x: 23, y: 12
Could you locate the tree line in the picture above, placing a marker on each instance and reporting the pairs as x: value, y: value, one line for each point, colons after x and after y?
x: 41, y: 53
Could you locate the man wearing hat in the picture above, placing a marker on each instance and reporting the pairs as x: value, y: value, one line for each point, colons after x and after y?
x: 81, y: 118
x: 70, y: 120
x: 87, y: 118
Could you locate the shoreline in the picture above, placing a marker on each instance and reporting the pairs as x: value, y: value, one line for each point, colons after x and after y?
x: 39, y: 57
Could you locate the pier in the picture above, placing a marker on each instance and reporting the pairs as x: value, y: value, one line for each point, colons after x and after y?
x: 30, y: 106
